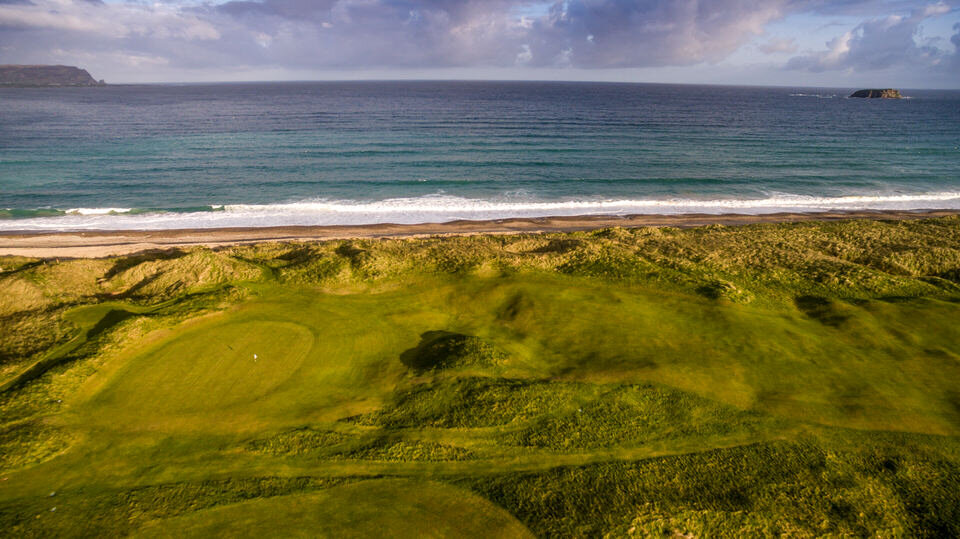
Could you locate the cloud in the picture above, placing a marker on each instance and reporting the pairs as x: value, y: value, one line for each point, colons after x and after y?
x: 779, y: 46
x: 371, y: 33
x: 409, y: 33
x: 104, y: 20
x: 858, y: 8
x: 954, y: 63
x: 880, y: 43
x: 623, y: 33
x: 131, y: 60
x: 305, y: 36
x: 454, y: 33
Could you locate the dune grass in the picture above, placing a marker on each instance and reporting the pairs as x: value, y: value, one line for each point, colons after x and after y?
x: 793, y: 379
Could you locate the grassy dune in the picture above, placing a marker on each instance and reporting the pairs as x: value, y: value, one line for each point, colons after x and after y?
x: 796, y: 379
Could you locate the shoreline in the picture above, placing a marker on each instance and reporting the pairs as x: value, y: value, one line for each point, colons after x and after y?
x: 100, y: 244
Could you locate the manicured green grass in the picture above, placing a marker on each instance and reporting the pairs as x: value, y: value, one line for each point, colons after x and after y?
x: 391, y: 508
x: 784, y: 379
x: 209, y: 368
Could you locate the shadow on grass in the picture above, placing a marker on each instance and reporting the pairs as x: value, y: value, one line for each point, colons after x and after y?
x: 444, y: 349
x: 822, y: 310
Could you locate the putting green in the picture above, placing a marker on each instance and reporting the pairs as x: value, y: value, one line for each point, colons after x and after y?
x: 211, y: 368
x: 379, y: 508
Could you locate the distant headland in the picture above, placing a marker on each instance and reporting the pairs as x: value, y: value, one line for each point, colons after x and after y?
x: 31, y: 76
x: 887, y: 93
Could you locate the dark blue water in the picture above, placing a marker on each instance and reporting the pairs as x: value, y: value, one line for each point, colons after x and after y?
x: 167, y: 156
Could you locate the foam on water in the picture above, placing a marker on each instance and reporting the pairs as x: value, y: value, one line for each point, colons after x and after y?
x: 439, y: 208
x: 97, y: 211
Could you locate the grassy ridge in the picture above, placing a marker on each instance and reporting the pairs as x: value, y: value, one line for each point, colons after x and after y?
x: 773, y: 379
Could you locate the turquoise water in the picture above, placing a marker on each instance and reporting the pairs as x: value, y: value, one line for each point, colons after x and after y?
x: 184, y: 156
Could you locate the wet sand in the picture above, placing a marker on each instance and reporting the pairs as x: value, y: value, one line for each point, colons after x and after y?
x: 94, y: 244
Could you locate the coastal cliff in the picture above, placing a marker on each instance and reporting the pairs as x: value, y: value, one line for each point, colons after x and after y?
x: 45, y: 75
x: 887, y: 93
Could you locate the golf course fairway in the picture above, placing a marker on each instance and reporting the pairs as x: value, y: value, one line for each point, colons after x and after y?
x: 777, y: 379
x: 386, y: 507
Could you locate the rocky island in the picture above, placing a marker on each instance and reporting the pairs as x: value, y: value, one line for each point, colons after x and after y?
x: 887, y: 93
x: 45, y: 76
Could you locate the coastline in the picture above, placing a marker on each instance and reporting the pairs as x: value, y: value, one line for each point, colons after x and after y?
x: 99, y: 244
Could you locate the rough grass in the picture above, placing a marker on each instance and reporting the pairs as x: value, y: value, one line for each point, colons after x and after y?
x: 26, y: 333
x: 474, y: 403
x: 766, y: 489
x: 386, y: 449
x: 30, y: 442
x: 298, y: 441
x: 636, y: 415
x: 169, y: 274
x: 794, y: 379
x: 563, y: 415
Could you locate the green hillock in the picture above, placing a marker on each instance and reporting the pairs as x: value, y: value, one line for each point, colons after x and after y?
x: 439, y: 350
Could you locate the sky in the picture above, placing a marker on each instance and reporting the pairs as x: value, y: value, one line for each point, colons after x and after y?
x: 815, y: 43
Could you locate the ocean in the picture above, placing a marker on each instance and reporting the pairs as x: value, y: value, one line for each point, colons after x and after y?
x: 324, y: 153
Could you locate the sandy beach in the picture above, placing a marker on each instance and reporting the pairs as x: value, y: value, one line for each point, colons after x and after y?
x: 115, y: 243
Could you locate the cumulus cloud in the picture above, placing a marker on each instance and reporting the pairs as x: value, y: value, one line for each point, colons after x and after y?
x: 880, y: 43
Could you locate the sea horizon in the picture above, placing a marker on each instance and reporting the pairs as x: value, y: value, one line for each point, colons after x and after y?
x: 521, y: 81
